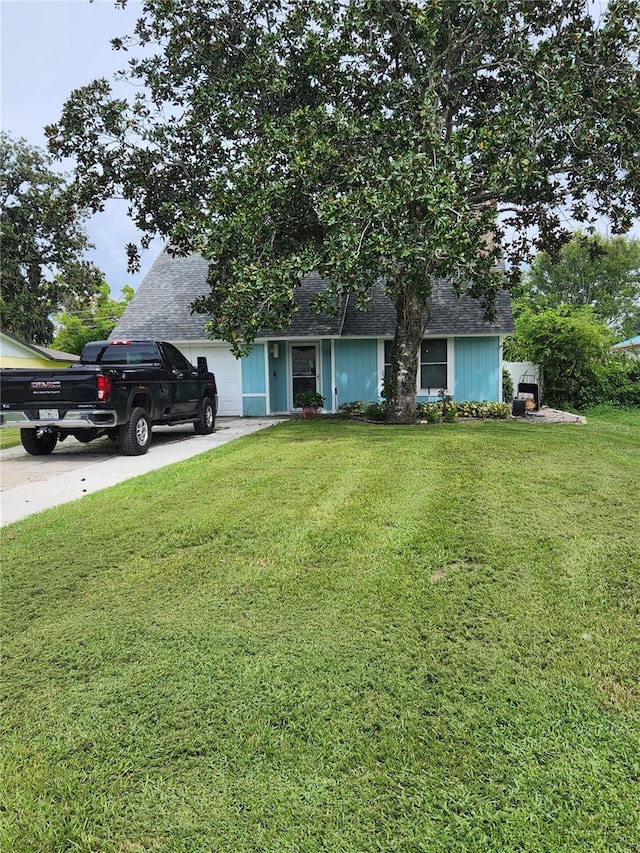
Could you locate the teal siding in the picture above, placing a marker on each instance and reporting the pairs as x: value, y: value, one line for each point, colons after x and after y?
x: 477, y: 369
x: 254, y: 406
x: 253, y: 371
x: 254, y: 395
x: 357, y: 370
x: 278, y: 377
x: 327, y: 388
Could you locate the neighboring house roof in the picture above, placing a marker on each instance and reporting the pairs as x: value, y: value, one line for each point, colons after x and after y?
x: 160, y: 309
x: 56, y: 354
x: 46, y: 352
x: 630, y: 344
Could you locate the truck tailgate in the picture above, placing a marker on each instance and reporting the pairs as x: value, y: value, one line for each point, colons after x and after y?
x: 44, y: 388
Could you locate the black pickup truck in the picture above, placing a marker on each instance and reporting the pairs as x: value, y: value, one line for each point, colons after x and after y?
x: 118, y: 388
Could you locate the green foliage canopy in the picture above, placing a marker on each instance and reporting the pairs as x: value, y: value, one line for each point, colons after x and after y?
x: 568, y: 343
x: 43, y: 242
x: 590, y: 271
x: 92, y: 322
x: 366, y: 140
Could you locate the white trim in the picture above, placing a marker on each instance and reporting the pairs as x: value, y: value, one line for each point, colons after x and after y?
x: 423, y: 392
x: 370, y: 337
x: 433, y: 392
x: 267, y: 374
x: 467, y: 335
x: 334, y: 387
x: 381, y: 343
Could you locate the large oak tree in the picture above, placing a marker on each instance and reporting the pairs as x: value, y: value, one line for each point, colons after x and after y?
x: 370, y: 140
x: 42, y: 261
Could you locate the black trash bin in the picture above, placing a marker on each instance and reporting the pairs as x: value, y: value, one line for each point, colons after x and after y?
x: 533, y: 389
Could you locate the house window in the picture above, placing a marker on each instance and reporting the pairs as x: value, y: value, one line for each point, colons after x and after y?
x: 433, y: 364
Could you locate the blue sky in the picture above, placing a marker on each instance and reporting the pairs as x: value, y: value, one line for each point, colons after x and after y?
x: 49, y: 48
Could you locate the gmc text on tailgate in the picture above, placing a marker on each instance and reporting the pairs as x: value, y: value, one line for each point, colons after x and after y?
x: 121, y: 389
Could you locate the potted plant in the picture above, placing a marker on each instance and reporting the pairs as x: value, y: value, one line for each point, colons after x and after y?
x: 309, y: 401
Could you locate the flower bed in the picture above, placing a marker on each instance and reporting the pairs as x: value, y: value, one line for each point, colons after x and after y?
x: 442, y: 410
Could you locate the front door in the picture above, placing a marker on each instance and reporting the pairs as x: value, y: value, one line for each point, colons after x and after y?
x: 304, y: 369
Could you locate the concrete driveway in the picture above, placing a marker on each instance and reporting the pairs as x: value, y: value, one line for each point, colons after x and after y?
x: 30, y: 484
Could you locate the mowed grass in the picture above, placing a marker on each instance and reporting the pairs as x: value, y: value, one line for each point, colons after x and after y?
x: 9, y: 437
x: 334, y: 636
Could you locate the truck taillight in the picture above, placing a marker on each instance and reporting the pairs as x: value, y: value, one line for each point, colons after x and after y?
x: 104, y: 387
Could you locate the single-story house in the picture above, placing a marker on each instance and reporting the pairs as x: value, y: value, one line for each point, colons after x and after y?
x: 630, y: 347
x: 15, y: 352
x: 343, y: 357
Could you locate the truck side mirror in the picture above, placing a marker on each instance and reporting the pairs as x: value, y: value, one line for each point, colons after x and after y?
x: 202, y: 364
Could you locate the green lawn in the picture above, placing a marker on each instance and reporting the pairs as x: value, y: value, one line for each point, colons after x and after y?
x: 9, y: 437
x: 333, y: 636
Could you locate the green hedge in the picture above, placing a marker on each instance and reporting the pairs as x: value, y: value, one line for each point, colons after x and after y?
x: 436, y: 412
x: 483, y: 409
x: 616, y: 382
x: 433, y: 412
x: 351, y: 410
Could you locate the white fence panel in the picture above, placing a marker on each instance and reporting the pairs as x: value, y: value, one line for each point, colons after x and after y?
x: 523, y: 371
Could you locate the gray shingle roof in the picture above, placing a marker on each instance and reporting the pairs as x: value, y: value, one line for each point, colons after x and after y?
x: 160, y: 309
x: 306, y: 323
x: 450, y: 315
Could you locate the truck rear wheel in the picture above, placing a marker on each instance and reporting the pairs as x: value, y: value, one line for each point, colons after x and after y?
x: 207, y: 420
x: 135, y: 435
x: 39, y: 442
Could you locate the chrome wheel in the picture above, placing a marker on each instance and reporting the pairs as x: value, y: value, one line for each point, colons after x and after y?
x: 208, y: 416
x: 142, y: 431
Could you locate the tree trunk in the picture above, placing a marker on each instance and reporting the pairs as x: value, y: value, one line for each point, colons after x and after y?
x: 401, y: 393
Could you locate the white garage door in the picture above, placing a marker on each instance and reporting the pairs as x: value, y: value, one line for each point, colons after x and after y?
x: 227, y: 371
